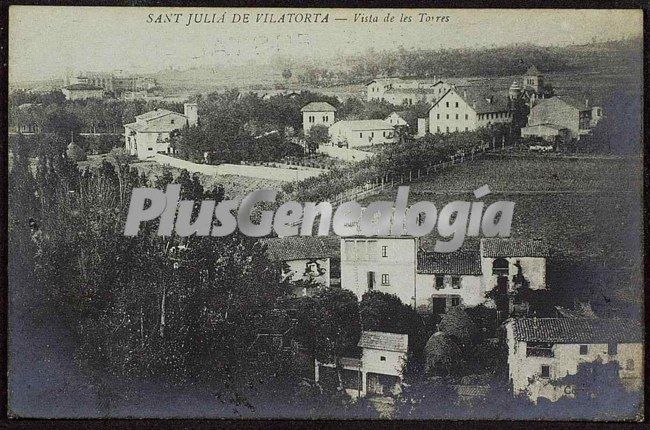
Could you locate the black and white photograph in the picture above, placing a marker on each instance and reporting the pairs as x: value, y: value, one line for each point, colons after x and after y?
x: 325, y: 214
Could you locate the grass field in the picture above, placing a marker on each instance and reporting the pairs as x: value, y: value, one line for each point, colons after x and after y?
x: 589, y: 210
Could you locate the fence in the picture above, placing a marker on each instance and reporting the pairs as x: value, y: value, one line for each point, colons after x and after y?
x: 386, y: 181
x: 345, y: 154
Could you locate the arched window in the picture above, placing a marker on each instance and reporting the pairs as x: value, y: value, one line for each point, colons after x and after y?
x: 500, y: 267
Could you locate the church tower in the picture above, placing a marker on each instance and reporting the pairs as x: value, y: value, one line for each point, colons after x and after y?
x: 534, y: 79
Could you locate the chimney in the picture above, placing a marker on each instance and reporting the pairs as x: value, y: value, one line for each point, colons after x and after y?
x: 191, y: 112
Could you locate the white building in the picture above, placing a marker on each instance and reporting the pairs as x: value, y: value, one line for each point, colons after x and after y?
x: 543, y: 350
x: 380, y: 370
x: 432, y: 281
x: 385, y: 264
x: 467, y: 109
x: 317, y: 113
x: 307, y: 258
x: 445, y: 280
x: 150, y: 133
x: 405, y: 121
x: 82, y: 92
x: 365, y: 132
x: 559, y: 116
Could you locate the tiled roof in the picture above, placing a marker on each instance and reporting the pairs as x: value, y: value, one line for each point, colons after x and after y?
x: 400, y: 90
x: 384, y: 341
x: 480, y: 100
x: 480, y: 391
x: 409, y: 116
x: 449, y: 263
x: 298, y: 248
x: 156, y: 113
x: 558, y: 100
x: 318, y: 107
x: 501, y: 247
x: 366, y: 124
x: 577, y: 330
x: 83, y: 87
x: 532, y: 71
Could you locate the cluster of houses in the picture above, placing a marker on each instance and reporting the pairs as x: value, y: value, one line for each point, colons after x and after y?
x: 457, y: 106
x: 540, y: 350
x: 94, y: 85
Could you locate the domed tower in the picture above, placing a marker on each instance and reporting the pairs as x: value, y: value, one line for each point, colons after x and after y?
x: 515, y: 91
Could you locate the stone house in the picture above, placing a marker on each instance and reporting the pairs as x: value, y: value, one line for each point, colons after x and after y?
x: 543, y: 350
x: 317, y: 113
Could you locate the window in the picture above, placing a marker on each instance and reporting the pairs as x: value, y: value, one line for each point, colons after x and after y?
x: 172, y: 121
x: 466, y: 117
x: 440, y: 282
x: 584, y: 349
x: 437, y: 116
x: 500, y: 267
x: 466, y: 128
x: 539, y: 349
x: 612, y: 349
x: 456, y: 104
x: 629, y: 365
x: 384, y: 279
x: 447, y: 104
x: 455, y: 282
x: 360, y: 134
x: 372, y: 134
x: 382, y: 358
x: 455, y: 301
x: 371, y: 281
x: 447, y: 129
x: 447, y: 116
x: 546, y: 371
x: 456, y: 116
x: 438, y: 128
x: 384, y: 251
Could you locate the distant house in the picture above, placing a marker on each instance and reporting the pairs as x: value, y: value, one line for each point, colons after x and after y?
x: 406, y: 122
x: 445, y: 280
x: 366, y: 132
x: 467, y: 109
x: 560, y: 116
x: 507, y: 258
x: 308, y: 258
x: 317, y: 113
x: 402, y: 92
x: 150, y: 133
x: 380, y: 369
x: 543, y: 350
x: 82, y: 92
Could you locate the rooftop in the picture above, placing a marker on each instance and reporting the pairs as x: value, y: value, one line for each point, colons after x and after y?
x: 532, y: 71
x: 82, y: 87
x: 318, y: 107
x: 384, y: 341
x: 156, y: 113
x: 577, y: 330
x: 366, y: 124
x: 411, y: 117
x: 299, y: 248
x: 502, y: 247
x: 449, y: 263
x: 575, y: 103
x: 479, y: 99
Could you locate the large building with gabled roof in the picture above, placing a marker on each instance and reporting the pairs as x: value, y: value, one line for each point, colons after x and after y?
x: 467, y: 109
x: 150, y: 133
x: 317, y: 113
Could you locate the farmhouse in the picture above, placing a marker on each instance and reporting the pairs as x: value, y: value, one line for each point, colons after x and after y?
x: 150, y: 133
x: 467, y: 109
x: 378, y: 372
x: 445, y: 280
x: 317, y: 113
x: 366, y: 132
x: 567, y: 116
x: 543, y: 350
x: 435, y: 281
x: 82, y: 92
x: 307, y: 258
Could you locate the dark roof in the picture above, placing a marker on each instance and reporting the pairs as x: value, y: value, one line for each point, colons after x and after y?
x: 480, y: 391
x: 532, y: 71
x: 298, y: 248
x: 318, y: 107
x: 384, y: 341
x: 499, y: 247
x: 409, y: 116
x: 577, y: 330
x: 479, y: 99
x: 82, y: 87
x: 449, y: 263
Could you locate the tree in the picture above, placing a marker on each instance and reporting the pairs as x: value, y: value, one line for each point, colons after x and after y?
x: 457, y: 324
x: 317, y: 135
x: 443, y: 356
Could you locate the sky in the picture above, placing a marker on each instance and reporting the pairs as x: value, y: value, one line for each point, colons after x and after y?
x: 45, y: 41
